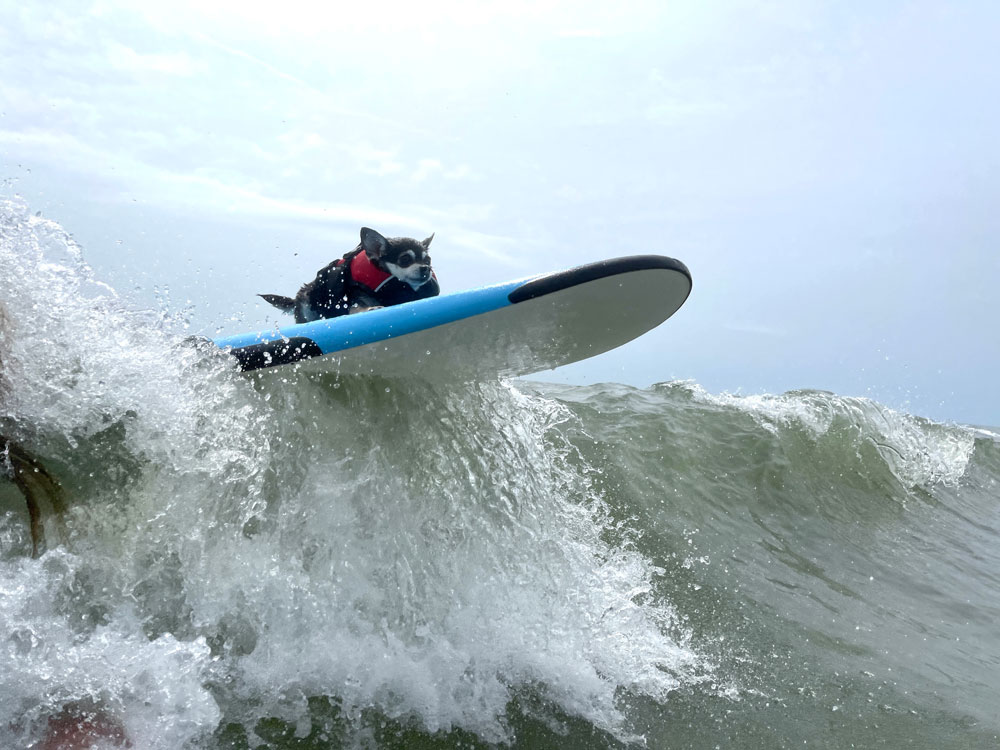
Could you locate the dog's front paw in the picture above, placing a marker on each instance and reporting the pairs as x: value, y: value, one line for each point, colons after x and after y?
x: 365, y: 309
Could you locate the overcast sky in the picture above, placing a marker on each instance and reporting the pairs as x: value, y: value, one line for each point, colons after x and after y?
x: 828, y: 171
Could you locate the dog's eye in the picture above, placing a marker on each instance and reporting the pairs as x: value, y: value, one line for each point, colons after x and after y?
x: 405, y: 260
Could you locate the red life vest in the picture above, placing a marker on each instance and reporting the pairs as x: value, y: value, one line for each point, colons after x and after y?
x: 366, y: 273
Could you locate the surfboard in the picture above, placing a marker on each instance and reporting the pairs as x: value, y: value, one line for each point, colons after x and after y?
x: 512, y: 329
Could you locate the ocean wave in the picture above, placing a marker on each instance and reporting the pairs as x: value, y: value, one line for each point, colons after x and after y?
x: 430, y: 555
x: 918, y: 451
x: 290, y: 558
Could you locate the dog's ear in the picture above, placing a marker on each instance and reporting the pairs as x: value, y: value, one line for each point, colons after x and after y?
x: 427, y: 243
x: 374, y: 243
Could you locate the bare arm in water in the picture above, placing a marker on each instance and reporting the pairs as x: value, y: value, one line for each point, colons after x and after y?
x: 21, y: 467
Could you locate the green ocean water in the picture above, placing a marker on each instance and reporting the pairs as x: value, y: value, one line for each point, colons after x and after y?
x: 295, y: 561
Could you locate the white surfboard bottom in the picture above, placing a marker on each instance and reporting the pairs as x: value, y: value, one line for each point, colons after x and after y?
x: 531, y: 336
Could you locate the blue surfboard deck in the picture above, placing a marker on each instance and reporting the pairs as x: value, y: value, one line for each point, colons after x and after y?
x: 515, y: 328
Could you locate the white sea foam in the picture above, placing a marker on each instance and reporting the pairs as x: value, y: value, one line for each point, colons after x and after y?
x: 918, y: 451
x: 52, y: 657
x: 427, y: 555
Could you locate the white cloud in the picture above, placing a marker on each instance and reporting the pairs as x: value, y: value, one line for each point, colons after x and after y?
x: 672, y: 109
x: 375, y: 161
x: 125, y: 58
x: 298, y: 142
x: 378, y: 18
x: 72, y: 152
x: 200, y: 191
x: 461, y: 172
x: 507, y: 250
x: 426, y: 168
x: 306, y: 95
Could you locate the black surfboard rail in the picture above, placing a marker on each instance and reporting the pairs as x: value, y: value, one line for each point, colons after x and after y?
x: 279, y: 352
x: 560, y: 280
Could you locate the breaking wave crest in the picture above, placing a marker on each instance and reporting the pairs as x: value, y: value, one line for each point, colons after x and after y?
x: 428, y: 555
x: 286, y: 559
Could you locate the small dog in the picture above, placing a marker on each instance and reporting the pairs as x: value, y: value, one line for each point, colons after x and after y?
x: 379, y: 272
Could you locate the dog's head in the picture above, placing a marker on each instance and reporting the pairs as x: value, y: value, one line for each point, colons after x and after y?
x: 406, y: 259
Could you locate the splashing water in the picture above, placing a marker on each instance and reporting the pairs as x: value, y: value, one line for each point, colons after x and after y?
x: 238, y: 547
x: 305, y: 561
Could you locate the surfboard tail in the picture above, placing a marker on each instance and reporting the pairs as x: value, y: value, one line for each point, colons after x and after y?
x: 285, y: 304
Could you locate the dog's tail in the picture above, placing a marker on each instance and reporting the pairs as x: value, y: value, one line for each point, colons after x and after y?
x: 285, y: 304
